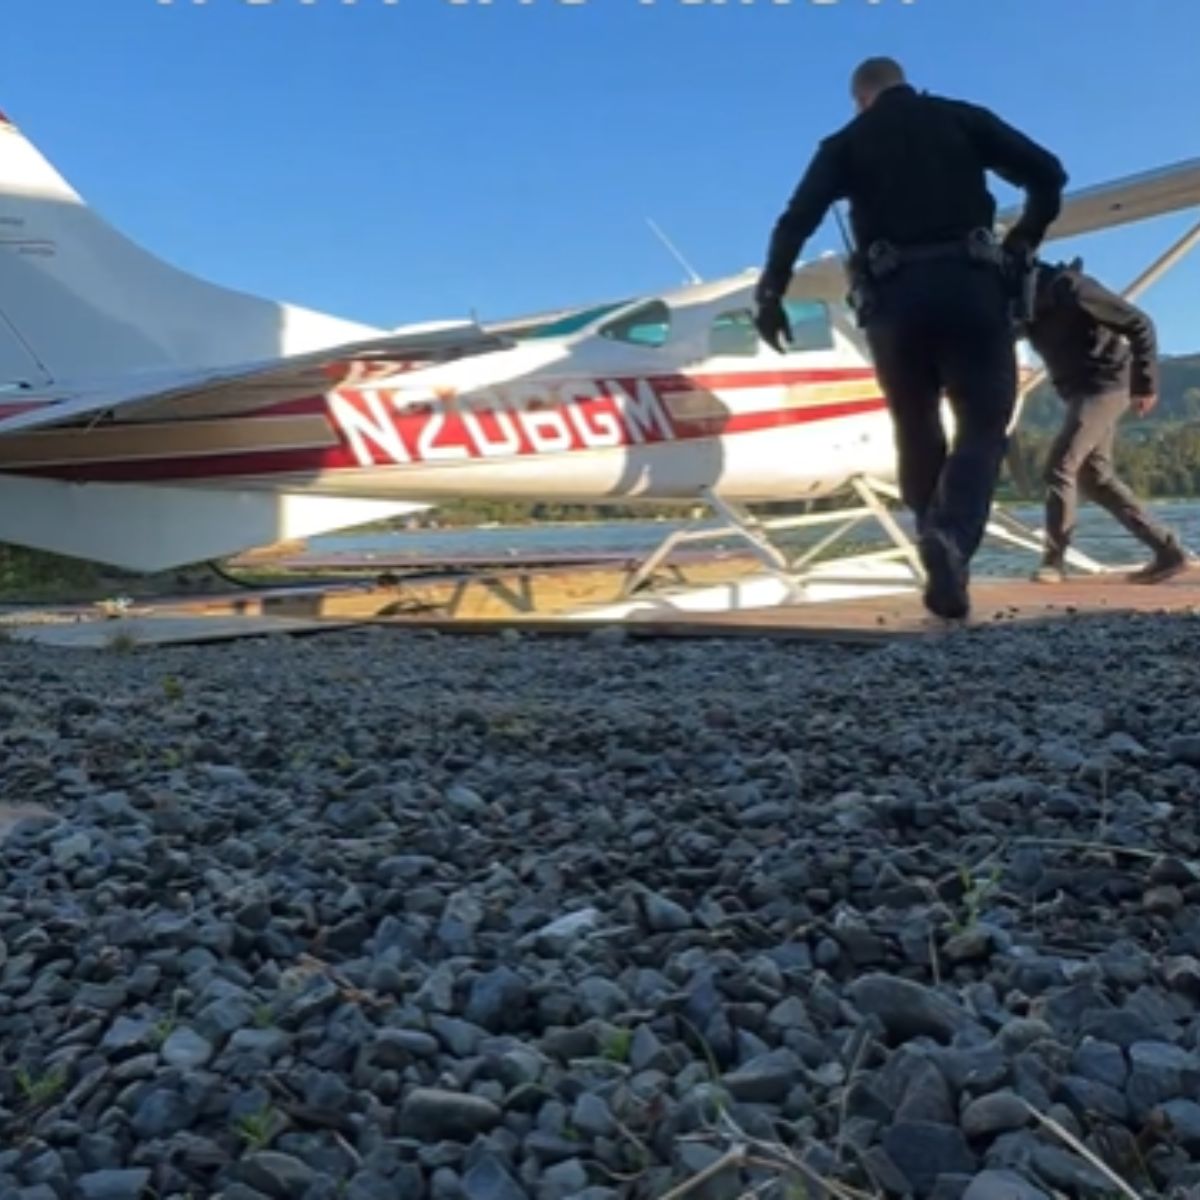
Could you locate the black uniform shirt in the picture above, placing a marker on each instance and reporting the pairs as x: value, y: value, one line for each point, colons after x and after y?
x: 1090, y: 339
x: 913, y: 167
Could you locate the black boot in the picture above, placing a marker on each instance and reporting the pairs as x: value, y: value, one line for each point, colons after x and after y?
x: 945, y: 577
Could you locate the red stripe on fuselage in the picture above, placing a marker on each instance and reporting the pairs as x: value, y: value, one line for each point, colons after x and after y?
x: 311, y: 462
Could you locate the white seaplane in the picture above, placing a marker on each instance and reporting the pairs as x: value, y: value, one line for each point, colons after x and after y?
x: 150, y: 419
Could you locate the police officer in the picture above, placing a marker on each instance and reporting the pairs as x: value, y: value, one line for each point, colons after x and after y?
x: 1101, y: 355
x: 933, y: 298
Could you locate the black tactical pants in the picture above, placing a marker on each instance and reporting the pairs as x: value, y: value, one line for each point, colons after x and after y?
x: 943, y: 326
x: 1082, y: 455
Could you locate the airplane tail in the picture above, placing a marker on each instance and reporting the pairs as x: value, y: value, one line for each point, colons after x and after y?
x: 78, y: 300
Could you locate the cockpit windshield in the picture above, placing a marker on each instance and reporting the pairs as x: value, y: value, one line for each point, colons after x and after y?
x: 647, y: 325
x: 573, y: 322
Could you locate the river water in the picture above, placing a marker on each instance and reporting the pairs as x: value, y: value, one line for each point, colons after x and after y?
x: 1098, y: 535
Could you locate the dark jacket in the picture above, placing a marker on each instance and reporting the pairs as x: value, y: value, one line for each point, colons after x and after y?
x: 1090, y: 339
x: 913, y: 168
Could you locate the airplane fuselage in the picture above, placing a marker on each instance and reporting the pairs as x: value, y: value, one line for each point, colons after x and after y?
x: 583, y: 419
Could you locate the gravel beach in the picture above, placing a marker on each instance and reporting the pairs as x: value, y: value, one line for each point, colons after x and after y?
x: 381, y: 915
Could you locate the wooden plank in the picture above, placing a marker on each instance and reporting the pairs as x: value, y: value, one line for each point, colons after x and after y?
x: 868, y: 620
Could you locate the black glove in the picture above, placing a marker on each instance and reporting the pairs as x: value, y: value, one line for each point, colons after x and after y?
x: 772, y: 324
x: 1019, y: 245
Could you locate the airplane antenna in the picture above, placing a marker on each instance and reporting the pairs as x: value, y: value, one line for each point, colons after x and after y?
x: 841, y: 223
x: 693, y: 277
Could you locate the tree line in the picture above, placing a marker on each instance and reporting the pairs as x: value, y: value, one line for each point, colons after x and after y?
x: 1158, y: 456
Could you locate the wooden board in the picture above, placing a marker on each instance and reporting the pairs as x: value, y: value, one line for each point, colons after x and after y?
x: 875, y: 618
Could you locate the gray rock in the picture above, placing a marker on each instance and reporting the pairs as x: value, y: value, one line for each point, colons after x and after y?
x: 950, y: 1187
x: 996, y: 1113
x: 1002, y: 1185
x: 317, y: 996
x: 436, y: 1115
x: 976, y: 1071
x: 187, y: 1050
x: 114, y: 1185
x: 559, y: 936
x: 767, y: 1079
x: 884, y: 1173
x: 276, y: 1174
x: 970, y: 945
x: 922, y: 1152
x: 663, y: 915
x: 216, y: 1021
x: 163, y: 1112
x: 460, y: 1038
x: 1102, y: 1062
x: 600, y: 997
x: 647, y: 1052
x: 466, y: 801
x: 1183, y: 1117
x: 926, y: 1095
x: 1160, y: 1072
x: 128, y: 1036
x: 1085, y: 1096
x: 1164, y: 901
x: 369, y: 1185
x: 693, y: 1158
x: 1062, y: 1169
x: 489, y: 1179
x: 400, y: 1047
x: 269, y: 1043
x: 497, y: 1000
x: 592, y: 1116
x: 563, y: 1181
x: 74, y: 848
x: 907, y: 1009
x: 99, y: 1152
x: 39, y: 1191
x: 1116, y: 1025
x: 1182, y: 974
x: 1185, y: 749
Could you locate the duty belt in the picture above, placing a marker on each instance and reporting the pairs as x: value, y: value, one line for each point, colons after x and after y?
x: 883, y: 258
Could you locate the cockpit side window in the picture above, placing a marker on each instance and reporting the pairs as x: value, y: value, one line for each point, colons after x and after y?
x: 733, y: 333
x: 812, y: 326
x: 647, y: 325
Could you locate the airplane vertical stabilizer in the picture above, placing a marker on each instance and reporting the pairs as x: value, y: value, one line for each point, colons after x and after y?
x: 78, y: 299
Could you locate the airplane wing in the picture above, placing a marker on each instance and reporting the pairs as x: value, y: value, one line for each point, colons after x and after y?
x: 1122, y: 201
x: 226, y: 391
x: 1105, y: 206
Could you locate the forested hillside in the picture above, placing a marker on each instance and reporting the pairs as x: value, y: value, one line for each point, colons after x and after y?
x: 1158, y: 456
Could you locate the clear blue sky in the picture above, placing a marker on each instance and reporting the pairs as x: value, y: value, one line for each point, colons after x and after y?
x: 420, y: 159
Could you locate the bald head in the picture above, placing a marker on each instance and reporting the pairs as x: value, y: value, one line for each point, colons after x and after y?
x: 873, y: 76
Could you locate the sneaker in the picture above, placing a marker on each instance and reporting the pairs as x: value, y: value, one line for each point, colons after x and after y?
x: 1049, y: 572
x: 946, y: 577
x: 1167, y: 563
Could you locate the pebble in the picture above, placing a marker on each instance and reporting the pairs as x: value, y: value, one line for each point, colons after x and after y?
x: 114, y: 1185
x: 413, y: 917
x: 1002, y: 1185
x: 437, y: 1114
x: 999, y: 1112
x: 187, y: 1050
